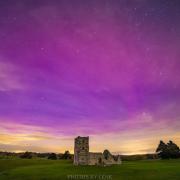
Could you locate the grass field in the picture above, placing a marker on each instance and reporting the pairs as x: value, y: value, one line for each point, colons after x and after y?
x: 18, y: 169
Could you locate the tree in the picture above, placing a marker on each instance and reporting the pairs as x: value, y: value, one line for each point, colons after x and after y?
x: 162, y: 150
x: 174, y: 151
x: 66, y: 155
x: 52, y: 156
x: 26, y: 155
x: 169, y: 150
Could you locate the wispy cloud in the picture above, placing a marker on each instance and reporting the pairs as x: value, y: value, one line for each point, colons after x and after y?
x: 9, y: 78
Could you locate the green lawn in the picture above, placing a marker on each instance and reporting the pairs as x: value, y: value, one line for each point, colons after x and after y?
x: 58, y: 169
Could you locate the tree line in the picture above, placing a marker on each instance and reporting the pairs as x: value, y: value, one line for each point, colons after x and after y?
x: 168, y: 150
x: 30, y: 155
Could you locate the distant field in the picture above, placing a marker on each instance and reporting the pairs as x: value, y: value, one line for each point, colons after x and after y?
x: 18, y: 169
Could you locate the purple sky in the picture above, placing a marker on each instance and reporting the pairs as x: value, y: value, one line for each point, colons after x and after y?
x: 109, y: 69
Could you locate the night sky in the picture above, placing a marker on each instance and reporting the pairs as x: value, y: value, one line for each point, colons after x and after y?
x: 108, y: 69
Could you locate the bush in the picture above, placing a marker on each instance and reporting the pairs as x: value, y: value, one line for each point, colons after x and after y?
x: 26, y: 155
x: 52, y: 156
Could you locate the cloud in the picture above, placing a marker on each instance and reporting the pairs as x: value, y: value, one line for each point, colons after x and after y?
x: 9, y: 78
x: 21, y: 148
x: 134, y: 141
x: 19, y: 133
x: 143, y: 138
x: 10, y: 138
x: 23, y: 137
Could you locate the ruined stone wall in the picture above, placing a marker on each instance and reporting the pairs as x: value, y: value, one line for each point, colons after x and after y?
x: 82, y: 156
x: 95, y: 158
x: 99, y: 159
x: 111, y: 161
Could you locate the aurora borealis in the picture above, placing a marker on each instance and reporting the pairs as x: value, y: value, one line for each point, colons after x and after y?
x: 108, y: 69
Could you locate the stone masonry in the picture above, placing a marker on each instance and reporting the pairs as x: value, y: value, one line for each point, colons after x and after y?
x: 82, y: 156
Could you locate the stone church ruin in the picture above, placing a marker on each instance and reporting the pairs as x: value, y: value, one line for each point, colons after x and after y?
x: 82, y: 156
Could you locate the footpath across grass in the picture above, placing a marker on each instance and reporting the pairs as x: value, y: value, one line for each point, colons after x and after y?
x: 39, y: 169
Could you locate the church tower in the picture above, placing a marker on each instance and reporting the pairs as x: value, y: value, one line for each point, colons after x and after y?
x: 81, y: 151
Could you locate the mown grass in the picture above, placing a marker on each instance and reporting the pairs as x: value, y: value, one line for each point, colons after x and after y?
x: 39, y: 169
